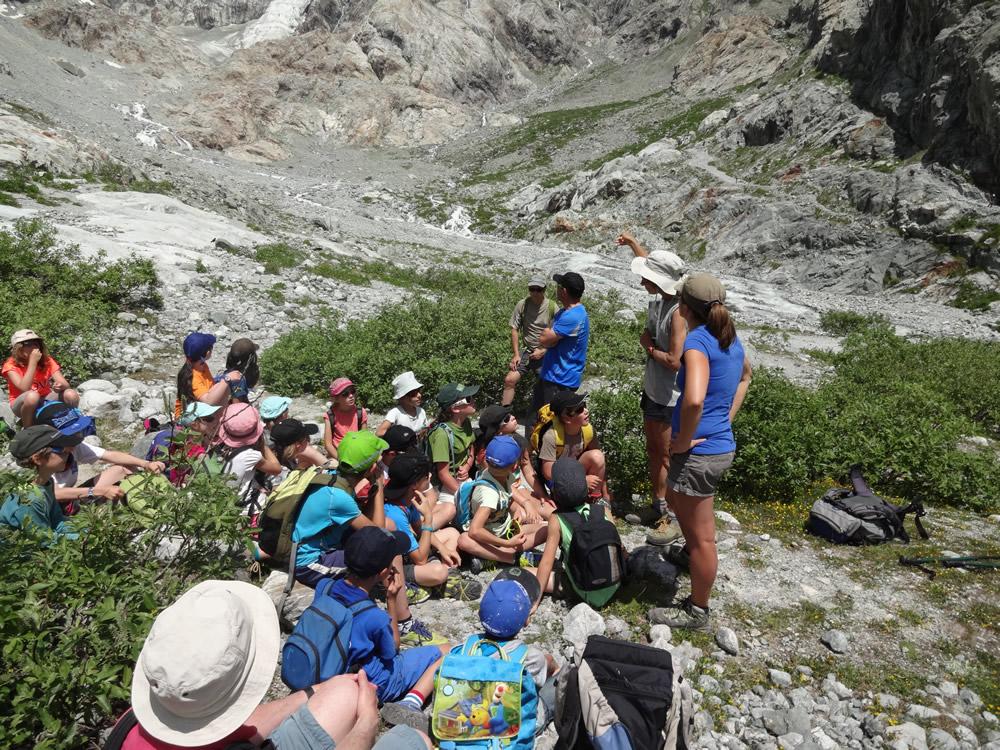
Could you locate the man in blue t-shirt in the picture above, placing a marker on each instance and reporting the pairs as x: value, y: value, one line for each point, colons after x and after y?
x: 565, y: 342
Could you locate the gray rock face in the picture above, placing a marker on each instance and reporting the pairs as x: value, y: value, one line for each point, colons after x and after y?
x: 835, y: 640
x: 727, y: 641
x: 931, y: 71
x: 580, y: 623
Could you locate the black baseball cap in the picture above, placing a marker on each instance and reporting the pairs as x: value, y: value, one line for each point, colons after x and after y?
x: 404, y: 470
x: 291, y: 431
x: 452, y: 392
x: 524, y: 577
x: 370, y: 550
x: 564, y: 400
x: 571, y: 281
x: 32, y: 439
x: 400, y: 438
x: 569, y: 483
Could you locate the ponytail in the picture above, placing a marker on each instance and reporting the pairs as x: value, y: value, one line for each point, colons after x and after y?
x: 185, y: 390
x: 720, y: 325
x: 715, y: 316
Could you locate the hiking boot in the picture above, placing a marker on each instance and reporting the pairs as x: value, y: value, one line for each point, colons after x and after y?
x: 684, y: 615
x: 416, y: 594
x: 666, y: 532
x: 678, y: 556
x: 461, y: 588
x: 648, y: 515
x: 478, y: 565
x: 413, y: 633
x: 403, y: 713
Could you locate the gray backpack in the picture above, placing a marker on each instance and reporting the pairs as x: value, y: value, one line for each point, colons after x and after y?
x: 859, y: 516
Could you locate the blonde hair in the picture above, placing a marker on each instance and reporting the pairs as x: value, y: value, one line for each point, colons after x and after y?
x: 17, y: 351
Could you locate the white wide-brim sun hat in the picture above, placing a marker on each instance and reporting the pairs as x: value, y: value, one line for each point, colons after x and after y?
x: 207, y: 663
x: 663, y: 268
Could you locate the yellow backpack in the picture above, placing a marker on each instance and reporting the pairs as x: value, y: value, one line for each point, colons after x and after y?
x: 546, y: 420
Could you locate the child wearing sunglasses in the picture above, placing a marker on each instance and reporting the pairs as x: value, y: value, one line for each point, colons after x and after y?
x: 45, y: 450
x: 343, y: 416
x: 572, y: 435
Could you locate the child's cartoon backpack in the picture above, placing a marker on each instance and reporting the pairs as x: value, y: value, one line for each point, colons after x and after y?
x: 463, y: 501
x: 546, y: 421
x: 318, y: 646
x: 484, y: 699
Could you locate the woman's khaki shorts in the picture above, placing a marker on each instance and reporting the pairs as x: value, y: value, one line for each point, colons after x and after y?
x: 697, y: 475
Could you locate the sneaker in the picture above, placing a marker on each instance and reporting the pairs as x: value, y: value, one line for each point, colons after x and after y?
x: 478, y: 565
x: 414, y: 633
x: 416, y: 594
x: 461, y: 588
x: 403, y: 713
x: 666, y: 532
x: 684, y: 615
x: 678, y: 556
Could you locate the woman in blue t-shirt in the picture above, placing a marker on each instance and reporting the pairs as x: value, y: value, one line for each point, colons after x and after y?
x: 713, y: 381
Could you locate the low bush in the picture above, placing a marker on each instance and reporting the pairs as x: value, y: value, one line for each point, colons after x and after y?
x: 843, y: 322
x: 277, y: 256
x: 461, y: 336
x: 74, y: 614
x: 69, y: 299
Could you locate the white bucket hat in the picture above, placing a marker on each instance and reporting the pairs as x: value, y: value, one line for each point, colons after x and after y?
x: 207, y: 663
x: 663, y: 268
x: 403, y: 384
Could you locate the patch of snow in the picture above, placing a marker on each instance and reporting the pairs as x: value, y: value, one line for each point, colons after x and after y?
x: 153, y: 129
x: 112, y: 63
x: 280, y: 20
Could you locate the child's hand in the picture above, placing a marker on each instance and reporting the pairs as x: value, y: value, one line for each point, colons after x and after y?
x: 35, y: 356
x: 449, y: 558
x: 517, y: 542
x: 393, y: 584
x: 367, y: 701
x: 593, y: 482
x: 424, y: 504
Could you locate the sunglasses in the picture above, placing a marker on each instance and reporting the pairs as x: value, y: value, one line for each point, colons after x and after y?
x: 507, y: 419
x: 575, y: 412
x: 347, y: 392
x: 464, y: 402
x: 413, y: 393
x: 536, y: 288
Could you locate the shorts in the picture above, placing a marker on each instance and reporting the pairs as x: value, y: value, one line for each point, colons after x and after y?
x: 527, y: 363
x: 17, y: 403
x: 394, y: 679
x: 653, y: 411
x: 544, y: 391
x: 329, y: 565
x: 400, y: 737
x: 697, y: 475
x: 301, y: 731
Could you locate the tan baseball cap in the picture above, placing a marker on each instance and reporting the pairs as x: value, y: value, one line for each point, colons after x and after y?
x: 25, y: 334
x: 705, y: 288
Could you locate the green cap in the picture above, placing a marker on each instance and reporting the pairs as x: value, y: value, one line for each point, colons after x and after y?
x: 359, y: 451
x: 453, y: 392
x: 705, y: 288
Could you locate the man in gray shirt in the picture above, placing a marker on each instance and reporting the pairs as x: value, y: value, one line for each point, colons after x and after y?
x: 661, y: 275
x: 531, y: 316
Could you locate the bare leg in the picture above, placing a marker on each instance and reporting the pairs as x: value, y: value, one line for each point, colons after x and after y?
x: 485, y: 551
x: 696, y: 516
x: 443, y: 514
x: 402, y: 604
x: 430, y: 574
x: 70, y: 397
x: 657, y: 440
x: 28, y: 407
x: 510, y: 381
x: 112, y: 476
x: 593, y: 464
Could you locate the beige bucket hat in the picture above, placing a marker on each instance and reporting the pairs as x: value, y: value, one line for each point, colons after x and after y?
x: 663, y: 268
x: 206, y: 664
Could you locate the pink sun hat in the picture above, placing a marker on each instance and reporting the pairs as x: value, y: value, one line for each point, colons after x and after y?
x: 340, y: 385
x: 240, y: 426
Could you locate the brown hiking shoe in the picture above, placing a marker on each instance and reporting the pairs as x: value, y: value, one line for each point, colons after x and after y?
x: 666, y: 533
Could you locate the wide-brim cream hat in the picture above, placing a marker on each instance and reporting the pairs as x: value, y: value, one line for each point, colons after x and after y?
x: 663, y: 268
x: 207, y: 663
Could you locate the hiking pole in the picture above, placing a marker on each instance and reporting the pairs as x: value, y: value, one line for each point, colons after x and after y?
x: 974, y: 562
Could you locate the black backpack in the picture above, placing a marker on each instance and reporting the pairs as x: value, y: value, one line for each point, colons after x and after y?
x: 594, y: 560
x: 859, y: 516
x: 629, y: 693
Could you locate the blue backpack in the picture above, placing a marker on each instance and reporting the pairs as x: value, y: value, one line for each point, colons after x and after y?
x: 463, y: 502
x: 318, y: 646
x: 483, y: 699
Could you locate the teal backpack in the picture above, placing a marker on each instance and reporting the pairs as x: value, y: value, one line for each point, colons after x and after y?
x: 484, y: 699
x: 463, y: 501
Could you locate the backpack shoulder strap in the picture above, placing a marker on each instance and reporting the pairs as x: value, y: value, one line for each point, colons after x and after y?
x: 361, y: 414
x: 362, y: 605
x: 120, y: 731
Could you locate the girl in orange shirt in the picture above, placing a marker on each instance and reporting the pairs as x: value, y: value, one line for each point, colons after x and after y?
x: 33, y: 376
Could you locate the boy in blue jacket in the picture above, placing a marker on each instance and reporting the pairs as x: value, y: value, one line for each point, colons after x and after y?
x: 404, y: 680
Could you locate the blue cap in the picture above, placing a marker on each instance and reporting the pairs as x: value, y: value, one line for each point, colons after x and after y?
x: 67, y: 419
x: 197, y: 345
x: 504, y: 609
x: 503, y: 451
x: 196, y: 410
x: 273, y: 407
